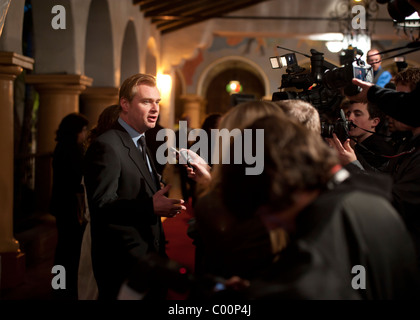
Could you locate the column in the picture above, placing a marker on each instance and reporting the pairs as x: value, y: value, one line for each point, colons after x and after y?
x: 58, y: 96
x: 12, y: 259
x: 192, y: 107
x: 95, y: 99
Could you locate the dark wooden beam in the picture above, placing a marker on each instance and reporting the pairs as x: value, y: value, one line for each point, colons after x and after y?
x: 162, y: 7
x: 214, y: 9
x: 171, y: 15
x: 141, y: 2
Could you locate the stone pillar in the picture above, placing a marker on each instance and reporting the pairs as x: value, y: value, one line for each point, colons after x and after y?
x: 95, y: 99
x: 192, y: 107
x: 58, y: 96
x: 12, y: 259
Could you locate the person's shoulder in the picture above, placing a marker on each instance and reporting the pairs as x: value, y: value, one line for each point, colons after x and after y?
x: 370, y: 183
x: 109, y: 141
x: 367, y: 203
x: 112, y: 135
x: 109, y: 134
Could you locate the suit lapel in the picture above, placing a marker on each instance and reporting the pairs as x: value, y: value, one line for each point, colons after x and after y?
x: 135, y: 155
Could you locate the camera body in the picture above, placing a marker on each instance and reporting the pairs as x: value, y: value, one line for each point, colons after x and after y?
x: 340, y: 128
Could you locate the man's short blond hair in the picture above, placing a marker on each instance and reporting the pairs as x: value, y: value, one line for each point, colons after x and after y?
x: 129, y: 87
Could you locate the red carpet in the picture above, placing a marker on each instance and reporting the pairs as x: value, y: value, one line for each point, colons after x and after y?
x: 179, y: 247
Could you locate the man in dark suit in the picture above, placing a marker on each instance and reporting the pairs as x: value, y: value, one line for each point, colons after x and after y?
x: 125, y: 199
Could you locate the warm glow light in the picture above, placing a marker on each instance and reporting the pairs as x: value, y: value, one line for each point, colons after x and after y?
x: 329, y: 36
x: 164, y: 83
x: 334, y: 46
x: 234, y: 86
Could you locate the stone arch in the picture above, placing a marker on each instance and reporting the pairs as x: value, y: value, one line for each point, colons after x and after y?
x: 225, y: 63
x: 99, y: 58
x: 151, y: 57
x: 130, y: 53
x: 245, y: 68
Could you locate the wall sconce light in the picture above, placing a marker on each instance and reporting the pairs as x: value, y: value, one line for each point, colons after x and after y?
x: 164, y: 83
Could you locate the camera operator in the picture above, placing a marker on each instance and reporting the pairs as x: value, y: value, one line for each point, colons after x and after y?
x: 404, y: 167
x: 370, y: 147
x: 381, y: 76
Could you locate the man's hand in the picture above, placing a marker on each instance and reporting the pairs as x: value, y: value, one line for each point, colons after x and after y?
x: 166, y: 207
x: 345, y: 152
x: 362, y: 95
x: 200, y: 171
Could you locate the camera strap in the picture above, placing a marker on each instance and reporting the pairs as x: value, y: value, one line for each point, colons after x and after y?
x: 413, y: 149
x: 377, y: 154
x: 374, y: 132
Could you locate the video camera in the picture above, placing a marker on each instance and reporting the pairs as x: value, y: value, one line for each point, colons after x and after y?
x: 324, y: 86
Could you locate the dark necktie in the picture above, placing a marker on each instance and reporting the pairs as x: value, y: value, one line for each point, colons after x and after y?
x: 142, y: 143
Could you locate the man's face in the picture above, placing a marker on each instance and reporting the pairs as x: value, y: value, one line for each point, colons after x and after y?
x: 143, y: 110
x: 373, y: 59
x: 359, y: 115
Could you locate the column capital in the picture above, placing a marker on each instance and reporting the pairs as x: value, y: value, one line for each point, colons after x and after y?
x: 72, y: 83
x: 15, y: 59
x: 9, y: 72
x: 12, y: 64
